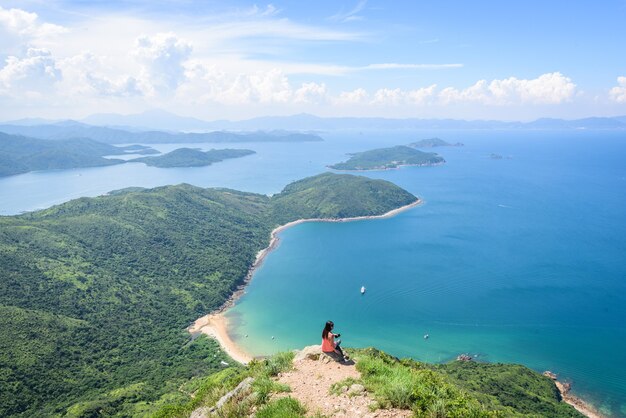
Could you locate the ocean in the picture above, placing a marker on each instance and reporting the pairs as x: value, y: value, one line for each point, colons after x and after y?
x: 516, y: 259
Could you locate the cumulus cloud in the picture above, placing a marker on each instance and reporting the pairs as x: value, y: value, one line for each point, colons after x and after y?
x: 20, y: 29
x: 550, y: 88
x: 35, y: 73
x: 357, y: 96
x: 84, y: 76
x: 397, y: 97
x: 23, y: 23
x: 162, y: 57
x: 311, y: 93
x: 618, y: 93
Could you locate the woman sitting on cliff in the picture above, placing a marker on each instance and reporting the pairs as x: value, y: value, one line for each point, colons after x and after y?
x: 329, y: 345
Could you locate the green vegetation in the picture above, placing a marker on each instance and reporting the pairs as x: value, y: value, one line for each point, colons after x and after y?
x: 20, y: 154
x: 96, y: 293
x: 456, y: 390
x: 433, y: 142
x: 192, y: 157
x: 331, y: 195
x: 385, y: 158
x: 459, y: 388
x: 207, y: 391
x: 282, y: 408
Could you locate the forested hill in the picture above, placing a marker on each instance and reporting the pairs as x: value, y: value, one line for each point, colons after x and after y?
x: 386, y: 158
x: 20, y: 154
x: 96, y: 293
x: 190, y: 157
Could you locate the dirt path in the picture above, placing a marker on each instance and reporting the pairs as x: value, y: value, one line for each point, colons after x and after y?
x: 310, y: 383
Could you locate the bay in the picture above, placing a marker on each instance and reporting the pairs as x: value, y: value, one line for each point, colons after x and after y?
x: 519, y: 259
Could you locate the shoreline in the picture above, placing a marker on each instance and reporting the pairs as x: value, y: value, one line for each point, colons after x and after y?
x: 216, y: 327
x: 581, y: 406
x: 215, y: 324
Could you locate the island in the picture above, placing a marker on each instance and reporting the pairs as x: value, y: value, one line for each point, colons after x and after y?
x: 433, y: 142
x: 388, y: 158
x: 139, y: 149
x: 192, y: 157
x: 20, y: 154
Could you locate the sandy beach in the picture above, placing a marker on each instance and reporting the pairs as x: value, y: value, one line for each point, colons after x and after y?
x: 215, y: 324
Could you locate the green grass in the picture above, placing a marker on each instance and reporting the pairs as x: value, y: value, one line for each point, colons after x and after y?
x: 459, y: 389
x: 282, y: 408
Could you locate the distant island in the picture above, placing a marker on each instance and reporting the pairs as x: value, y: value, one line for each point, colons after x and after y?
x: 72, y: 129
x: 192, y: 157
x: 388, y: 158
x: 433, y: 142
x: 20, y: 154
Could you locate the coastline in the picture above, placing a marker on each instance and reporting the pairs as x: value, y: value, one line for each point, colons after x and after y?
x: 578, y: 404
x: 215, y: 324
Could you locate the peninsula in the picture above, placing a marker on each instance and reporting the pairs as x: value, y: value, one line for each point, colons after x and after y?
x: 98, y: 291
x: 192, y: 157
x: 388, y: 158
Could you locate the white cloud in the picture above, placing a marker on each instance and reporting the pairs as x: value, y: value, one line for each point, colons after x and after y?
x: 34, y: 74
x: 84, y: 75
x: 550, y: 88
x: 396, y: 66
x: 357, y: 96
x: 23, y: 23
x: 162, y: 57
x: 397, y: 97
x: 20, y: 29
x: 618, y: 93
x: 311, y: 93
x: 210, y: 84
x: 350, y: 15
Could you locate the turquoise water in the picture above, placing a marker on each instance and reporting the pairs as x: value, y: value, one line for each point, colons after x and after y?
x: 519, y: 260
x: 516, y: 260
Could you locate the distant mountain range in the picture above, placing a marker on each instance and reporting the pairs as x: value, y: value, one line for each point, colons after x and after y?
x: 108, y: 135
x: 162, y: 126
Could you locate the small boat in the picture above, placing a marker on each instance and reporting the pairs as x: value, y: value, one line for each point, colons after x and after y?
x: 426, y: 336
x: 362, y: 290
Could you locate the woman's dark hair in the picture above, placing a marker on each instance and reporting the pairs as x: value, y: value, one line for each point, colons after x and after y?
x: 329, y: 326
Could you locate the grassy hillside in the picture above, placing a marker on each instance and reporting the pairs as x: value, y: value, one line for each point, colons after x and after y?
x: 460, y: 388
x: 97, y: 292
x: 21, y: 154
x: 191, y: 157
x: 385, y: 158
x: 455, y: 390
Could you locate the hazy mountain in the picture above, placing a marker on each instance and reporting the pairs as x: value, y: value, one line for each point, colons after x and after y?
x: 73, y: 129
x: 162, y: 120
x: 149, y: 120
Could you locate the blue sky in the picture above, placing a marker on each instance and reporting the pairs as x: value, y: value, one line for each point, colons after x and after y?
x: 217, y: 59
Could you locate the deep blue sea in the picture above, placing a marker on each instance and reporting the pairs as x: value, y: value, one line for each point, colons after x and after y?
x: 520, y: 259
